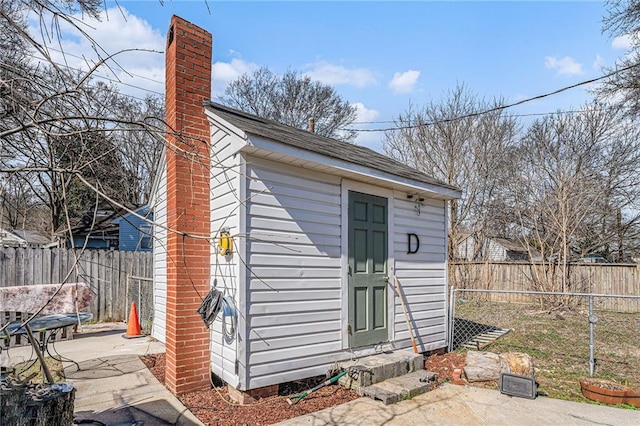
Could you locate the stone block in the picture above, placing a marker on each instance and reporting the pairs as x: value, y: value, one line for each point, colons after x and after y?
x: 247, y: 397
x: 418, y: 363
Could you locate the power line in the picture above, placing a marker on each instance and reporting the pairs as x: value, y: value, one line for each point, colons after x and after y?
x: 533, y: 114
x: 498, y: 108
x: 412, y: 126
x: 118, y: 67
x: 102, y: 77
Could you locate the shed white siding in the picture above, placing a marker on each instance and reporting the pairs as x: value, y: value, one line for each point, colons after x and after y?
x: 422, y: 275
x: 226, y: 201
x: 159, y: 206
x: 294, y: 288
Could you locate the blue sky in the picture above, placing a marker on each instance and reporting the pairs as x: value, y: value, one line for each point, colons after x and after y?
x: 380, y: 55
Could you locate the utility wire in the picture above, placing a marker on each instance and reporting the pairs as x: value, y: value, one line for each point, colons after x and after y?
x: 96, y: 75
x: 533, y: 114
x: 498, y: 108
x: 119, y: 68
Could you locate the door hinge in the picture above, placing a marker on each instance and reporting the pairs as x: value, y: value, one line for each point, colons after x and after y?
x: 237, y: 366
x: 349, y: 329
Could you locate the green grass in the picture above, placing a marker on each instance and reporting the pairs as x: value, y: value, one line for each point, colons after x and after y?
x: 558, y: 341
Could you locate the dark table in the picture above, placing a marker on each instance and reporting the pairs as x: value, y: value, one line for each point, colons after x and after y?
x: 44, y: 323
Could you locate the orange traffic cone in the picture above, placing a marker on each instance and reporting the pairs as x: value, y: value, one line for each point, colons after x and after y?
x: 133, y: 327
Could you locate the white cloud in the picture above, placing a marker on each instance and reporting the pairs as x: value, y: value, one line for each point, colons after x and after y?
x: 225, y: 72
x: 116, y: 32
x: 372, y: 140
x: 563, y: 66
x: 365, y: 114
x: 120, y: 30
x: 622, y: 42
x: 363, y: 121
x: 598, y: 62
x: 337, y: 74
x: 404, y: 82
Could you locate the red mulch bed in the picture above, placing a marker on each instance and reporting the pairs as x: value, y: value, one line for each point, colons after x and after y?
x: 213, y: 406
x: 443, y: 365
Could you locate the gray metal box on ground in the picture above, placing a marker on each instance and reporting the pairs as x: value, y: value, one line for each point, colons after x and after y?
x: 514, y: 385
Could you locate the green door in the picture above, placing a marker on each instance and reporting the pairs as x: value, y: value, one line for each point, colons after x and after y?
x: 367, y: 269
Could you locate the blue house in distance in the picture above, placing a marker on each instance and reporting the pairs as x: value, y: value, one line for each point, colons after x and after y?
x: 134, y: 233
x: 112, y: 230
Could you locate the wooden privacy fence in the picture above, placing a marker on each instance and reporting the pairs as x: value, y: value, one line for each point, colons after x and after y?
x: 595, y: 278
x: 104, y: 271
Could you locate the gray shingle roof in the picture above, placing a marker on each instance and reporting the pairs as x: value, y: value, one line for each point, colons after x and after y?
x: 32, y: 237
x: 351, y: 153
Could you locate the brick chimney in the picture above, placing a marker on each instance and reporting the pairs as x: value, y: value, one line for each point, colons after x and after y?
x: 188, y: 86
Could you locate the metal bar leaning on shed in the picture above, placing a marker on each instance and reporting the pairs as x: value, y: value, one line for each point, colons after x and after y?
x: 406, y: 316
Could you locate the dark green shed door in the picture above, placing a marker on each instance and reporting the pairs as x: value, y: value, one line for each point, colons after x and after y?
x: 367, y: 269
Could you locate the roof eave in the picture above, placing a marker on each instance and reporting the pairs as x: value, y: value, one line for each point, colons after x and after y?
x: 225, y: 125
x: 260, y: 147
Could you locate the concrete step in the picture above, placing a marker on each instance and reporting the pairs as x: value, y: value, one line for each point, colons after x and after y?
x: 377, y: 368
x: 400, y: 388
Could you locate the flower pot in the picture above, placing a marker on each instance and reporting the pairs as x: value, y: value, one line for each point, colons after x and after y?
x: 632, y: 397
x: 604, y: 391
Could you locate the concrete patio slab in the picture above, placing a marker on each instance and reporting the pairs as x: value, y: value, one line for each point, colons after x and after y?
x: 113, y: 386
x: 466, y: 405
x: 120, y: 390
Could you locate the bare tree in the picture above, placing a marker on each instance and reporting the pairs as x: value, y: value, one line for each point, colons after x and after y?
x: 571, y: 176
x: 451, y: 141
x: 19, y: 208
x: 60, y: 128
x: 292, y: 99
x: 622, y: 19
x: 140, y: 151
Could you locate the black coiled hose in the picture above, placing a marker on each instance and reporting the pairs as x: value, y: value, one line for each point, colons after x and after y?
x: 210, y: 306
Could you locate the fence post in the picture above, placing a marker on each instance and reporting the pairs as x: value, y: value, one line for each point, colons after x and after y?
x: 452, y: 305
x: 126, y: 298
x: 592, y: 321
x: 140, y: 294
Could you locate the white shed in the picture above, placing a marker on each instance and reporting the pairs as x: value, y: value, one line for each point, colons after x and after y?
x: 320, y: 227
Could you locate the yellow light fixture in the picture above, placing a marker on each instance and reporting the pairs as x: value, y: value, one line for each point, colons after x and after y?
x: 225, y: 242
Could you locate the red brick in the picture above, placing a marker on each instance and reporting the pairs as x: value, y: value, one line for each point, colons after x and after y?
x: 188, y: 84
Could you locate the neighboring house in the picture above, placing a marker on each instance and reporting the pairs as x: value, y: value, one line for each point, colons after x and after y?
x: 94, y: 230
x: 23, y: 238
x: 320, y: 228
x: 590, y: 258
x: 107, y: 228
x: 33, y: 238
x: 492, y: 249
x: 135, y: 232
x: 10, y: 239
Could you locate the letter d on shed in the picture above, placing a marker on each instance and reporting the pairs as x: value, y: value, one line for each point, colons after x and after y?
x: 413, y: 243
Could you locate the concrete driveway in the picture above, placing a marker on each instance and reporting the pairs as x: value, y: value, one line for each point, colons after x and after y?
x: 466, y: 405
x: 114, y: 387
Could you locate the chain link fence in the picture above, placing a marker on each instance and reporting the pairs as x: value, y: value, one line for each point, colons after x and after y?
x: 140, y: 291
x: 569, y: 335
